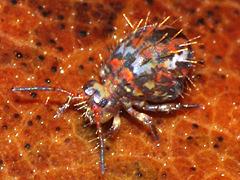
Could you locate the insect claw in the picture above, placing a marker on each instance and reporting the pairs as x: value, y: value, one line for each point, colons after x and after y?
x: 190, y: 105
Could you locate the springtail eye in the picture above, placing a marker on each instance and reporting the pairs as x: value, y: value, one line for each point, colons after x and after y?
x: 103, y: 102
x: 89, y: 89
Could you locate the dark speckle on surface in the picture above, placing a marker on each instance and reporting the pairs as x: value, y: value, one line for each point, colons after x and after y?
x: 189, y: 138
x: 18, y: 55
x: 60, y: 17
x: 16, y: 115
x: 193, y: 168
x: 200, y: 21
x: 216, y: 146
x: 38, y: 117
x: 33, y: 94
x: 54, y: 69
x: 48, y: 81
x: 58, y: 128
x: 4, y: 127
x: 139, y: 173
x: 27, y: 146
x: 60, y: 48
x: 29, y: 123
x: 52, y: 41
x: 14, y: 1
x: 38, y: 43
x: 82, y: 33
x: 81, y: 67
x: 220, y: 138
x: 195, y: 126
x: 150, y: 2
x: 41, y: 57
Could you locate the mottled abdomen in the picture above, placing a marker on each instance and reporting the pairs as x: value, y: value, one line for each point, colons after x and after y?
x: 151, y: 64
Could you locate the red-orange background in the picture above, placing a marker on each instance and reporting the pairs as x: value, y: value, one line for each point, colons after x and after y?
x: 57, y: 43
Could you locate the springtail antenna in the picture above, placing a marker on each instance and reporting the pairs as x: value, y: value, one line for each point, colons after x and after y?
x: 39, y: 88
x: 61, y: 109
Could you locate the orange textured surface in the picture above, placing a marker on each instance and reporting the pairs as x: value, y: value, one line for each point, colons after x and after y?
x: 57, y: 42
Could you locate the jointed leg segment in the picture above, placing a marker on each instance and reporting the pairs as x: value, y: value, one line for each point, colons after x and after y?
x: 115, y: 126
x: 168, y: 107
x: 142, y: 117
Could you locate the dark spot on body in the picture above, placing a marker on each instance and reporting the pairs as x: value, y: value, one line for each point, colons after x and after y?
x: 86, y: 6
x: 116, y: 5
x: 27, y: 146
x: 195, y: 126
x: 54, y: 69
x: 33, y: 94
x: 108, y: 29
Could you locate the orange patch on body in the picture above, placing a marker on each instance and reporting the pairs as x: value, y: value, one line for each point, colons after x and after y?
x: 136, y: 42
x: 162, y: 74
x: 147, y: 54
x: 116, y: 64
x: 126, y: 74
